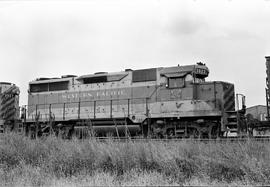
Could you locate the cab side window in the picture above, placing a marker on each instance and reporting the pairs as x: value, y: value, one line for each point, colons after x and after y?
x: 176, y: 82
x: 189, y: 78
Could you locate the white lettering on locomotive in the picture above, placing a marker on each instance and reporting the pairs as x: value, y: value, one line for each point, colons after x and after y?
x: 91, y: 94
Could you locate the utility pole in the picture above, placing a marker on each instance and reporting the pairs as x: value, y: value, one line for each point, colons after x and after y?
x: 267, y: 85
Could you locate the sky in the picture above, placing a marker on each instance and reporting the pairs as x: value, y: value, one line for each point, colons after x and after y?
x: 53, y: 38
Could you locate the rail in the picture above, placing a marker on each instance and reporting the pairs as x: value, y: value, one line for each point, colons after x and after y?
x: 225, y: 140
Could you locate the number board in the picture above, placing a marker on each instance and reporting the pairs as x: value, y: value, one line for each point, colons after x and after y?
x: 201, y: 71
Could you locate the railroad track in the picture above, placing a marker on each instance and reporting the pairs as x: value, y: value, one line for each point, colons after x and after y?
x: 230, y: 139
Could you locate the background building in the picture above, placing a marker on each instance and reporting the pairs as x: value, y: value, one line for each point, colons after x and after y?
x: 258, y: 112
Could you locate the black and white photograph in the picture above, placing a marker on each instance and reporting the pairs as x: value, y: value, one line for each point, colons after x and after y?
x: 134, y: 93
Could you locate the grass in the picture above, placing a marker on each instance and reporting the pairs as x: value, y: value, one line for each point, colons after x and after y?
x: 57, y: 162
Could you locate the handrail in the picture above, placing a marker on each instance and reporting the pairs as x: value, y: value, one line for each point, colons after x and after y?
x: 78, y: 104
x: 99, y: 100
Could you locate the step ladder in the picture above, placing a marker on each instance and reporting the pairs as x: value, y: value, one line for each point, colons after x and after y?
x: 231, y: 124
x: 235, y: 123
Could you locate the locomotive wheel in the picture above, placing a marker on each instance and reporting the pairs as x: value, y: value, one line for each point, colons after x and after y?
x: 63, y: 132
x: 170, y: 133
x: 158, y: 130
x: 194, y: 133
x: 214, y: 133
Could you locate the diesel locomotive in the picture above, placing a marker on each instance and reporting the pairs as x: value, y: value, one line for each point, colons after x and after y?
x: 164, y: 102
x: 9, y: 106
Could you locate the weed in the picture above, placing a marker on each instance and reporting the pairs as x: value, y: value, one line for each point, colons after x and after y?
x: 51, y: 161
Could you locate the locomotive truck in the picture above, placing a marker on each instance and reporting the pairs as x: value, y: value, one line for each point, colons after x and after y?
x: 164, y: 102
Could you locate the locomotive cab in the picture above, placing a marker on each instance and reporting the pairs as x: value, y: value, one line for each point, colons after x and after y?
x: 182, y: 75
x: 193, y: 106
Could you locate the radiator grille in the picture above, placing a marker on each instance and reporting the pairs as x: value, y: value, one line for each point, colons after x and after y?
x: 229, y: 99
